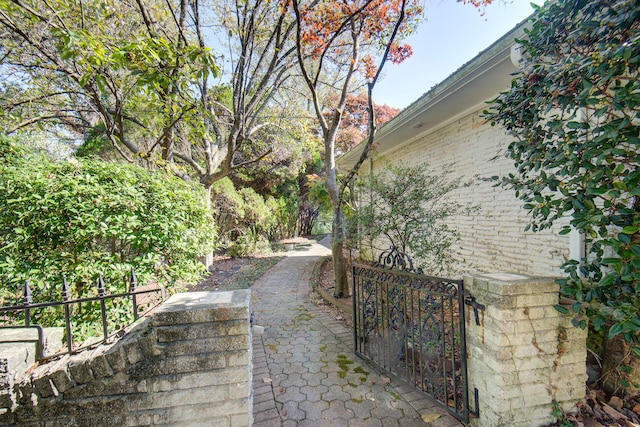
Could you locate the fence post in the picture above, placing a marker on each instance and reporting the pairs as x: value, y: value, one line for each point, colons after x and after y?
x: 133, y: 283
x: 103, y: 307
x: 67, y: 316
x: 27, y: 300
x: 525, y: 356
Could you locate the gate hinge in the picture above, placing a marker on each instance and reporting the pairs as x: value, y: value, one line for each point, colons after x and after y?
x: 470, y: 300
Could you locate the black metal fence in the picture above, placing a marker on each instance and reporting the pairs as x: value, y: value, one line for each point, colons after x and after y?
x: 141, y: 301
x: 412, y: 326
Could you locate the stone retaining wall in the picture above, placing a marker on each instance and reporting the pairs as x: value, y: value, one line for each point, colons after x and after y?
x: 188, y: 364
x: 524, y: 357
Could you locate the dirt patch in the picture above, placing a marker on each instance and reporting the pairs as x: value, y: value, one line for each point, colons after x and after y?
x: 325, y: 276
x: 228, y: 274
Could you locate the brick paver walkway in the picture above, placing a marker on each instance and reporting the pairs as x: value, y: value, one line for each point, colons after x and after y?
x: 305, y: 371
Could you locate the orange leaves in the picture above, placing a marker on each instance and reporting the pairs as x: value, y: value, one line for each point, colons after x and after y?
x: 354, y: 126
x: 328, y: 23
x: 313, y: 179
x: 398, y: 53
x: 321, y: 23
x: 479, y: 4
x: 370, y: 68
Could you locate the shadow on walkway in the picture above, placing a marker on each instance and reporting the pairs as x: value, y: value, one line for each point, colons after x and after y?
x: 305, y: 371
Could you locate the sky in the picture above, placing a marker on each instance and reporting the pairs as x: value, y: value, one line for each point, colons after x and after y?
x: 452, y: 35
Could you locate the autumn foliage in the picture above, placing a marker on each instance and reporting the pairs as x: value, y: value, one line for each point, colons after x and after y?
x: 342, y: 47
x: 354, y: 127
x: 324, y: 22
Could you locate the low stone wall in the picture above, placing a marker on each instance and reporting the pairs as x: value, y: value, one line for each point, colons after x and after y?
x: 524, y: 357
x: 19, y: 349
x: 188, y: 364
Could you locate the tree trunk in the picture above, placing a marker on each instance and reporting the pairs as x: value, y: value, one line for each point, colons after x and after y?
x: 621, y: 370
x: 341, y: 289
x: 207, y: 259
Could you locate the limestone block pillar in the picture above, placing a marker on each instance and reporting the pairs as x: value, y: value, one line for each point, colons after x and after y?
x: 525, y: 356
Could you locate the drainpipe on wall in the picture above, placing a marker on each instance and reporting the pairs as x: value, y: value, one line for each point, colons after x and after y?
x: 576, y: 246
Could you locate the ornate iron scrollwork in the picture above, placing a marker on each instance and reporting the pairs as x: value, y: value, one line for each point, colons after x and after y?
x: 412, y: 326
x: 396, y: 259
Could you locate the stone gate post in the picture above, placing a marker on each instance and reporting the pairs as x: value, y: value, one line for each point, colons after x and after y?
x: 525, y: 356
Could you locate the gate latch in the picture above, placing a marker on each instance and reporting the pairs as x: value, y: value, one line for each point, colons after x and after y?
x: 470, y: 300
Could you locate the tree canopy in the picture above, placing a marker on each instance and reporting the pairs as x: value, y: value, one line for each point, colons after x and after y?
x: 140, y: 74
x: 574, y: 110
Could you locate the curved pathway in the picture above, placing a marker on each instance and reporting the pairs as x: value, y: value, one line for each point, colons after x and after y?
x: 305, y: 371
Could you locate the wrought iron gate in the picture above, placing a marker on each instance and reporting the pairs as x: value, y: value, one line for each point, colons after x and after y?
x: 412, y: 326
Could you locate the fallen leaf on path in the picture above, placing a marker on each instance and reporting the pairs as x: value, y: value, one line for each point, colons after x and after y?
x: 385, y: 380
x: 429, y: 418
x: 267, y: 380
x: 615, y: 402
x: 590, y: 422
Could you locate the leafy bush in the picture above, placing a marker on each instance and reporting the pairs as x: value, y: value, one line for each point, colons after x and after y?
x: 287, y: 212
x: 407, y: 207
x: 238, y: 211
x: 82, y: 218
x: 96, y: 144
x: 249, y: 244
x: 573, y: 110
x: 245, y: 219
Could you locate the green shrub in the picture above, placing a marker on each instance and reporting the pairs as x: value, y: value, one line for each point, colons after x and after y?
x: 82, y: 218
x: 407, y: 207
x: 285, y: 210
x: 573, y: 111
x: 249, y: 244
x: 243, y: 216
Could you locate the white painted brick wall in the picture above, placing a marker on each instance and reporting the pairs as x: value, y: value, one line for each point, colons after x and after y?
x: 493, y: 238
x: 522, y: 362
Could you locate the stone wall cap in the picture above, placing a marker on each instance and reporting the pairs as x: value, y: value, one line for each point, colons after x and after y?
x: 510, y: 284
x: 19, y: 334
x: 513, y: 277
x: 205, y: 299
x: 506, y: 277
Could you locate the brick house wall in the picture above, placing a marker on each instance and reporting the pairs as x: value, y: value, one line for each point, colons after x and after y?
x: 445, y: 126
x: 493, y: 238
